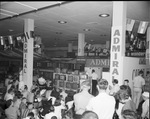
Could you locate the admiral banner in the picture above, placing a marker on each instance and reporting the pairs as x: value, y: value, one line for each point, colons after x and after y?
x: 116, y: 62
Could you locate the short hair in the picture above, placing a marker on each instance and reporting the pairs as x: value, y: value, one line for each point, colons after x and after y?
x: 126, y: 80
x: 129, y: 114
x: 148, y: 72
x: 53, y: 117
x: 115, y: 81
x: 8, y: 103
x: 31, y: 114
x: 89, y: 115
x: 93, y: 70
x: 141, y: 72
x: 85, y: 83
x: 103, y: 84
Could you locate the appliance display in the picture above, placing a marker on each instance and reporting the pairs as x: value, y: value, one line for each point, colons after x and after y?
x: 61, y: 84
x: 70, y: 78
x: 62, y: 77
x: 57, y: 77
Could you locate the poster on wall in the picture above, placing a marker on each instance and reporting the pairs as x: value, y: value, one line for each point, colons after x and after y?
x: 136, y: 38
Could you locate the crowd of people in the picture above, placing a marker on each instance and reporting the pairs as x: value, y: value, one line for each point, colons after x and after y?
x: 46, y: 101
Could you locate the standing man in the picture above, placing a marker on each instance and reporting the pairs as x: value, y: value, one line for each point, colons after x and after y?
x: 138, y: 85
x: 81, y: 99
x: 94, y: 82
x: 103, y: 104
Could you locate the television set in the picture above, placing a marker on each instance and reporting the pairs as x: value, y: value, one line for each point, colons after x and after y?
x: 70, y: 78
x: 57, y: 76
x: 83, y: 76
x: 68, y: 85
x: 74, y: 86
x: 62, y: 77
x: 61, y: 84
x: 76, y: 78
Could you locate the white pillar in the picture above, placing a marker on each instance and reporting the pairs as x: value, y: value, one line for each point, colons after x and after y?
x: 81, y: 42
x: 148, y: 47
x: 28, y: 53
x: 69, y: 47
x: 118, y: 41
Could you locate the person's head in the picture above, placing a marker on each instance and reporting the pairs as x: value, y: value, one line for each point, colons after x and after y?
x: 102, y: 84
x: 85, y: 85
x: 115, y: 81
x: 145, y: 95
x: 30, y: 115
x: 89, y: 115
x: 123, y: 93
x: 52, y: 109
x: 30, y: 105
x: 141, y: 73
x: 147, y: 73
x: 25, y: 87
x: 53, y: 117
x: 129, y: 114
x: 9, y: 76
x: 126, y: 82
x: 24, y: 100
x: 11, y: 91
x: 93, y: 70
x: 9, y: 103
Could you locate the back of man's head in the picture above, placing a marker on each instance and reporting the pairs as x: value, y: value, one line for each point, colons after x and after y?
x: 103, y: 84
x: 141, y: 72
x: 93, y: 70
x: 85, y: 84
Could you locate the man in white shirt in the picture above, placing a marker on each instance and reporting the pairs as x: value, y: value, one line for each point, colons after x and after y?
x: 94, y: 82
x: 115, y: 87
x: 138, y: 85
x: 81, y: 99
x: 103, y: 104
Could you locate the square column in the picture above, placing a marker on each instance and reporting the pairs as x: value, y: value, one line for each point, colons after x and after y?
x: 28, y: 53
x: 81, y: 43
x: 118, y: 41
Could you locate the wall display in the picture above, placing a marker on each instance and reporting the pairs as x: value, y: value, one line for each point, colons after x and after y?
x: 70, y: 78
x: 75, y: 86
x: 68, y: 86
x: 76, y: 78
x: 63, y: 77
x: 136, y: 38
x: 61, y: 84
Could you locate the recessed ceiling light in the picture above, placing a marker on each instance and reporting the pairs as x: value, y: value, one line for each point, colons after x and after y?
x: 10, y: 30
x: 104, y: 15
x: 62, y: 22
x: 86, y: 29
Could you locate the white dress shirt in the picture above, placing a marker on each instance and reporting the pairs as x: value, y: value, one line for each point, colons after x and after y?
x: 94, y: 76
x: 81, y: 100
x: 103, y: 105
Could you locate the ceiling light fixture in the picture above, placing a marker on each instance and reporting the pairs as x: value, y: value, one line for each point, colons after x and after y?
x: 10, y: 30
x: 104, y: 15
x: 86, y: 29
x: 62, y: 22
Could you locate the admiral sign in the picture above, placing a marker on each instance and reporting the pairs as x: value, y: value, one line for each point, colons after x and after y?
x: 116, y: 53
x: 97, y: 63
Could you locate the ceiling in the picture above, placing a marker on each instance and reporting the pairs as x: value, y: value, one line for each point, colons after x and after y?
x: 78, y: 14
